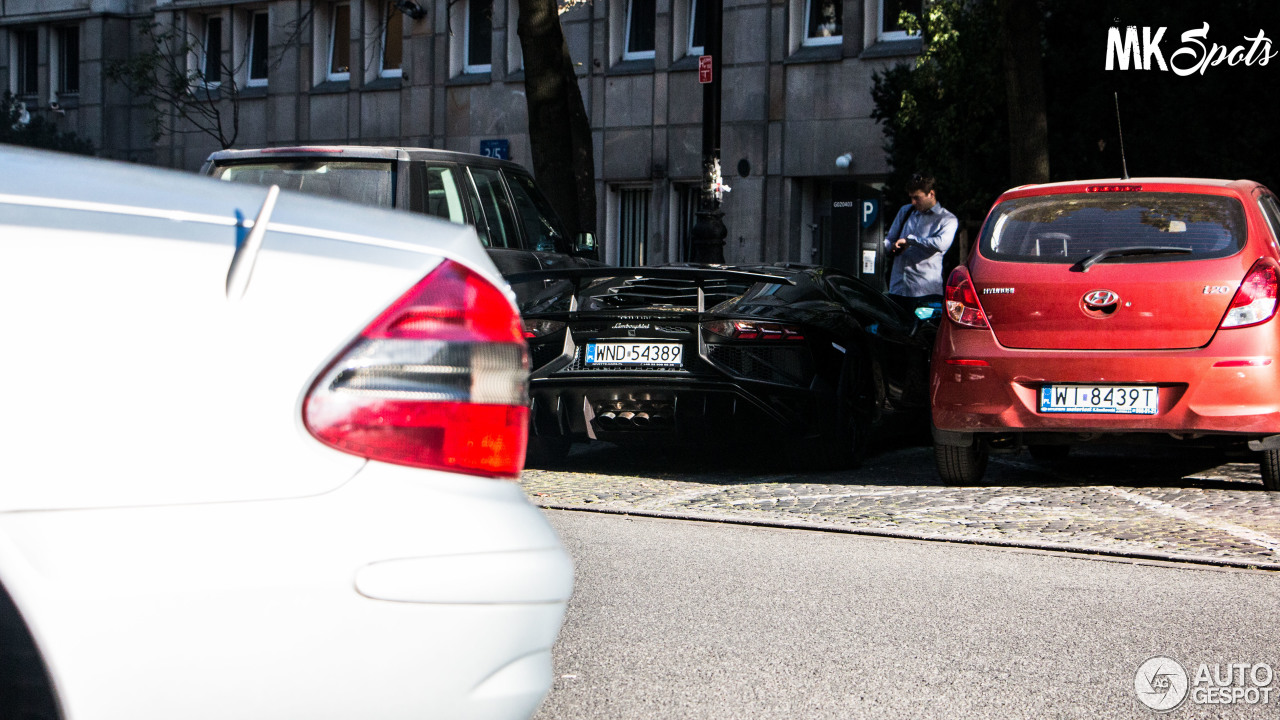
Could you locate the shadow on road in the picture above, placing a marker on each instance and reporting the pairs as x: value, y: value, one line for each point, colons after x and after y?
x: 908, y: 462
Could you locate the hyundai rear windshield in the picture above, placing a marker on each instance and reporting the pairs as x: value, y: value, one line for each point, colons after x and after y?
x: 1069, y: 228
x: 369, y: 182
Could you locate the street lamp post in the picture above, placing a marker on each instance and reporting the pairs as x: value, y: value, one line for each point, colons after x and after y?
x: 709, y: 232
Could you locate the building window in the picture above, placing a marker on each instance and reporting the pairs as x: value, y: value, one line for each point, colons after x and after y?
x: 339, y: 67
x: 633, y: 226
x: 68, y: 71
x: 392, y: 43
x: 890, y: 27
x: 211, y: 52
x: 688, y: 196
x: 26, y: 49
x: 697, y: 22
x: 640, y: 30
x: 258, y: 44
x: 824, y: 22
x: 478, y: 56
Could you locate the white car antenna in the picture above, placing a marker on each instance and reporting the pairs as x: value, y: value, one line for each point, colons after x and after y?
x: 242, y: 262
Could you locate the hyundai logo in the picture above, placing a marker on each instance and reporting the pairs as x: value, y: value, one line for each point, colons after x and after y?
x: 1099, y: 299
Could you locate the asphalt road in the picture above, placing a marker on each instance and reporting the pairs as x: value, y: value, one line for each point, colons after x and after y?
x: 684, y: 619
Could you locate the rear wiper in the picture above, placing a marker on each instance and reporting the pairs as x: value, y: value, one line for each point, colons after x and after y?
x: 1084, y: 264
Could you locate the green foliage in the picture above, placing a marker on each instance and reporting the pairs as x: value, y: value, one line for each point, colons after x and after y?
x: 38, y: 132
x: 945, y: 115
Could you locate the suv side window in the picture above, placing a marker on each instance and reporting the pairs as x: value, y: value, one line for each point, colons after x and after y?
x: 495, y: 209
x: 433, y: 190
x: 539, y: 220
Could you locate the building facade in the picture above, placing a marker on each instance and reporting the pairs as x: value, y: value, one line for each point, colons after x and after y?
x: 801, y: 154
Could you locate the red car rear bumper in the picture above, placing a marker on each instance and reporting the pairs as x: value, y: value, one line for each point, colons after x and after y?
x: 1196, y: 394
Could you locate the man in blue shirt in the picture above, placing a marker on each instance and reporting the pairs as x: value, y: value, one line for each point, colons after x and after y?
x: 918, y: 238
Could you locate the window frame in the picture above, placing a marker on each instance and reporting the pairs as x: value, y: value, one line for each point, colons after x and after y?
x: 690, y: 48
x: 201, y: 55
x: 252, y: 46
x: 883, y: 35
x: 627, y: 52
x: 637, y: 248
x: 63, y: 67
x: 338, y: 47
x: 25, y: 75
x: 398, y: 70
x: 468, y: 68
x: 807, y: 40
x: 684, y: 201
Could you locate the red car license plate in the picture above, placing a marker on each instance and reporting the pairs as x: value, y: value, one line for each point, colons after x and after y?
x: 1100, y: 399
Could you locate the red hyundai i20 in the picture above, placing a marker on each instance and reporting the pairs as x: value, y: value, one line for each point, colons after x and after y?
x: 1140, y: 309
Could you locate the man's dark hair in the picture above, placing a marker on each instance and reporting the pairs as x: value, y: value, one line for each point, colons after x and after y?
x: 921, y: 182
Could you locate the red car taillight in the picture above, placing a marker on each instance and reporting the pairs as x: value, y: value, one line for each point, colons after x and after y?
x: 438, y: 380
x: 1255, y: 301
x: 962, y: 300
x: 752, y: 330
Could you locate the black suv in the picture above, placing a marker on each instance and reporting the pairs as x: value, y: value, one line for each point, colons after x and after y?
x: 499, y: 198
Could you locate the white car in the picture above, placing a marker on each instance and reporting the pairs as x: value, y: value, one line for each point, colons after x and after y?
x: 257, y: 455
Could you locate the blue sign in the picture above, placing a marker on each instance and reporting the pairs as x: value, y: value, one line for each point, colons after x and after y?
x: 870, y: 211
x: 499, y: 149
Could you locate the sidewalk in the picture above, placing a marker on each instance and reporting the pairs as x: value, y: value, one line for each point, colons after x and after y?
x: 1196, y: 511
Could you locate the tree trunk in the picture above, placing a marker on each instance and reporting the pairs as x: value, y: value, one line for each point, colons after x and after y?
x: 1024, y: 91
x: 559, y: 130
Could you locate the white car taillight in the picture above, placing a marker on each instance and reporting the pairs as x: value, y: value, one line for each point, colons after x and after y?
x: 1255, y: 301
x: 962, y: 301
x: 438, y: 380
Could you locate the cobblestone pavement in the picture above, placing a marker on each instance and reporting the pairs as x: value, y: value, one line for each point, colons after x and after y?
x: 1189, y: 506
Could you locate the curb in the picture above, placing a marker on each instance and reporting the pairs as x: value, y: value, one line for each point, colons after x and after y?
x: 926, y: 537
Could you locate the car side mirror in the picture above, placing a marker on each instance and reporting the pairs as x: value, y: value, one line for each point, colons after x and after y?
x: 585, y: 244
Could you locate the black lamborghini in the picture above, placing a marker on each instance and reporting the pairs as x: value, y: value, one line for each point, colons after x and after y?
x: 804, y: 357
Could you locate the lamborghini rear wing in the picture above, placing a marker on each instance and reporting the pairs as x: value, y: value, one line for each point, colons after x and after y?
x: 636, y: 280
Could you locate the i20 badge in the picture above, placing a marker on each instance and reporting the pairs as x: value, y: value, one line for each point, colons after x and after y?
x: 1217, y: 289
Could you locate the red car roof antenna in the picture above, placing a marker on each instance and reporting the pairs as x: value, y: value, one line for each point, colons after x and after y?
x: 1124, y: 167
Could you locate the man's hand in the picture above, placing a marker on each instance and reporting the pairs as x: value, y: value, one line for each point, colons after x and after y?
x: 899, y: 245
